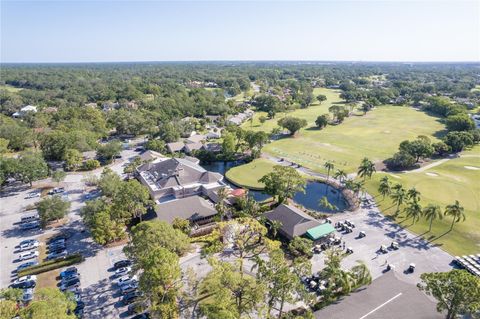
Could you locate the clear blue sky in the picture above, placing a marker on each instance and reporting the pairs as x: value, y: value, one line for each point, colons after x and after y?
x: 81, y: 31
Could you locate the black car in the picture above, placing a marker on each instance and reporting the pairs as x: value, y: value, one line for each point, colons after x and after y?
x: 70, y: 277
x: 24, y: 285
x: 57, y: 249
x: 142, y: 316
x: 131, y: 297
x: 122, y: 263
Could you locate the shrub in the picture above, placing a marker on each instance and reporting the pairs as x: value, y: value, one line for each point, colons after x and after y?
x: 91, y: 164
x: 401, y: 160
x: 51, y: 265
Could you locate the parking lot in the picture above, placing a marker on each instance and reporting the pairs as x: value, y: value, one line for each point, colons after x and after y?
x: 379, y: 231
x: 100, y: 299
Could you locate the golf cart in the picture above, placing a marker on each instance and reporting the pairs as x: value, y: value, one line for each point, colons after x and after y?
x: 394, y: 245
x: 411, y: 268
x: 361, y: 234
x: 383, y: 249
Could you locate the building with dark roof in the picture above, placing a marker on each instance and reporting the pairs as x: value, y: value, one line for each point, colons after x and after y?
x: 195, y: 209
x: 177, y: 178
x: 294, y: 221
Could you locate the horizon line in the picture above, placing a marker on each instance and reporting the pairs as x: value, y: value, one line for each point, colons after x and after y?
x: 253, y: 61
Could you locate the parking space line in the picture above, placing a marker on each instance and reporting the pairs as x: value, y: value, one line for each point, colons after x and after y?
x: 383, y: 304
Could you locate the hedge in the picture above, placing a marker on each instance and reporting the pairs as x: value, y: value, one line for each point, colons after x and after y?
x: 51, y: 265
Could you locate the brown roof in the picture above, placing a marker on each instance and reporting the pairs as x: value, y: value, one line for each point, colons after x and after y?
x: 191, y: 208
x: 294, y: 221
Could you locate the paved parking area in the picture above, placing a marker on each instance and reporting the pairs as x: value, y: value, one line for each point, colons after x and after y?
x: 386, y: 297
x: 99, y: 295
x: 382, y: 231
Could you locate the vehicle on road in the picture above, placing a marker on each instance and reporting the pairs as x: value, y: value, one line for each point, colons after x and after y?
x: 68, y: 271
x: 74, y: 283
x: 26, y: 265
x: 55, y: 255
x: 28, y: 255
x: 122, y: 271
x: 122, y: 263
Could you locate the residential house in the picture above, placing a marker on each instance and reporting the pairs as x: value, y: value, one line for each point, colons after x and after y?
x: 109, y: 106
x: 150, y: 155
x: 24, y: 110
x: 240, y: 117
x: 196, y: 138
x: 175, y: 147
x: 189, y: 148
x: 177, y: 178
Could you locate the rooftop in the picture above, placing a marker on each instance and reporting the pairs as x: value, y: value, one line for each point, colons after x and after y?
x: 191, y: 208
x: 294, y: 221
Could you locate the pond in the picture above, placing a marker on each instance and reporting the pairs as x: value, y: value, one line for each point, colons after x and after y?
x: 314, y: 191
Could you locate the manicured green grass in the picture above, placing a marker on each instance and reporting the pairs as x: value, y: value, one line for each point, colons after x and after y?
x: 10, y: 88
x: 442, y: 185
x: 248, y: 175
x: 375, y: 135
x: 310, y: 114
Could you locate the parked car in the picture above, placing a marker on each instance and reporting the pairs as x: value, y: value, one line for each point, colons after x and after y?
x: 137, y: 307
x: 124, y: 280
x: 74, y: 283
x: 59, y: 241
x: 24, y: 285
x: 122, y: 271
x: 127, y: 288
x: 56, y: 249
x: 30, y: 225
x: 131, y: 297
x: 55, y: 255
x: 145, y: 315
x: 56, y: 190
x: 25, y: 279
x: 26, y: 265
x: 71, y: 277
x: 27, y: 295
x: 29, y: 218
x: 27, y: 241
x: 28, y: 246
x: 122, y: 263
x: 28, y: 255
x: 63, y: 235
x: 33, y: 195
x: 68, y: 271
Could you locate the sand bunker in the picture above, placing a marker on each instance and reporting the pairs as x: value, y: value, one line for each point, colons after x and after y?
x: 472, y: 167
x: 386, y: 132
x: 432, y: 174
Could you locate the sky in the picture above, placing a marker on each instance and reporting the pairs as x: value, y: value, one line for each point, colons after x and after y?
x: 122, y: 30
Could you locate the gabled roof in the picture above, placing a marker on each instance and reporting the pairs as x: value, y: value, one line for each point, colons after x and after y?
x: 175, y: 147
x: 191, y: 208
x: 193, y: 147
x: 150, y: 156
x: 195, y: 138
x: 294, y: 221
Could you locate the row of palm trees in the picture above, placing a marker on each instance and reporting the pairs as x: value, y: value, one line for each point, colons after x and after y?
x: 413, y: 209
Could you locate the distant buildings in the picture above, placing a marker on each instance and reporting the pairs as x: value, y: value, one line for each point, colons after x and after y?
x: 240, y: 117
x: 24, y: 110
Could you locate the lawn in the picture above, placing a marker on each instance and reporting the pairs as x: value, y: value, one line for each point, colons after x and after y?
x: 248, y: 175
x: 10, y: 88
x: 443, y: 185
x: 375, y: 135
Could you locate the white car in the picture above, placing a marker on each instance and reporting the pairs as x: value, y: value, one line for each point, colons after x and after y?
x: 122, y: 271
x: 28, y: 255
x: 27, y: 295
x: 25, y: 278
x: 29, y: 245
x: 125, y: 280
x: 33, y: 195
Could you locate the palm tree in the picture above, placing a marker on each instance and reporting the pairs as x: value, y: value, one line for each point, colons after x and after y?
x: 398, y: 196
x: 323, y: 202
x: 221, y: 208
x: 413, y: 194
x: 366, y: 168
x: 361, y: 274
x: 328, y: 166
x: 413, y: 210
x: 432, y: 212
x: 456, y: 211
x: 340, y: 175
x: 275, y: 225
x: 384, y: 187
